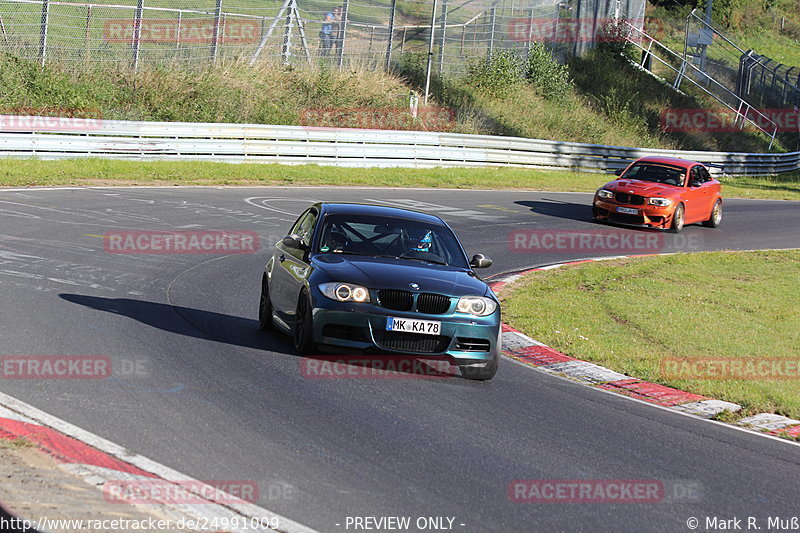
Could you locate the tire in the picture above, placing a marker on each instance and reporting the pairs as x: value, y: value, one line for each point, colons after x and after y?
x: 303, y: 334
x: 715, y: 218
x: 481, y: 374
x: 678, y: 218
x: 265, y: 307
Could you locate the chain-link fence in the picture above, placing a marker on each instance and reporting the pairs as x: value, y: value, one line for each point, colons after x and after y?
x: 337, y: 32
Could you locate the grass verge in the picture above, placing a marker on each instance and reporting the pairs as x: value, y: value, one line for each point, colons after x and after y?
x: 637, y: 315
x: 31, y: 172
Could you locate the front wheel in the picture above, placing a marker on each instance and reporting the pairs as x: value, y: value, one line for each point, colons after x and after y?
x: 303, y: 326
x: 715, y: 218
x: 678, y: 218
x: 481, y: 373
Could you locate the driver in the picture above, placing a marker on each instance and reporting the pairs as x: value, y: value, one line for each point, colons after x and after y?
x: 336, y: 240
x: 417, y: 240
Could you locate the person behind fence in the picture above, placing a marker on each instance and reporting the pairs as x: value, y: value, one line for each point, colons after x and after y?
x: 337, y: 34
x: 325, y: 34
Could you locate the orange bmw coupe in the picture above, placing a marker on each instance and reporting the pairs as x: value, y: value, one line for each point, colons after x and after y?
x: 660, y: 192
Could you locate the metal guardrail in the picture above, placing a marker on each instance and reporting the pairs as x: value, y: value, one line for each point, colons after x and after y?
x: 68, y: 138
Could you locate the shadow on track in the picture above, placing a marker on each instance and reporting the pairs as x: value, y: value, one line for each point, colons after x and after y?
x: 197, y: 323
x: 560, y: 209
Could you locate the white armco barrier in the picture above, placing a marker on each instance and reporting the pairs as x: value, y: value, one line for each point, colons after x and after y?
x: 68, y: 138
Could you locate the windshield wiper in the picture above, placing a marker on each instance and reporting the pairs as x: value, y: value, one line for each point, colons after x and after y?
x: 433, y: 261
x: 343, y: 252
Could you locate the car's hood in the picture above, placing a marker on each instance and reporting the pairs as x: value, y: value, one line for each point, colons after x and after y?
x: 642, y: 188
x: 388, y: 273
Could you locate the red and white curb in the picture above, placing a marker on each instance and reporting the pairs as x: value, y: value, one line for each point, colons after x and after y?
x: 99, y: 461
x: 530, y: 352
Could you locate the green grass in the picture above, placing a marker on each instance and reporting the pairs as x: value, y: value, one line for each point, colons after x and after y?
x: 630, y: 315
x: 14, y: 444
x: 230, y: 92
x: 31, y: 172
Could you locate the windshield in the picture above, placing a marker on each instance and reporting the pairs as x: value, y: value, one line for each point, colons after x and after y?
x: 658, y: 173
x: 378, y: 236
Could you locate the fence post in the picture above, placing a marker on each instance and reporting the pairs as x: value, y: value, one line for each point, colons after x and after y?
x: 391, y: 36
x: 178, y: 33
x: 442, y: 38
x: 3, y: 29
x: 43, y: 31
x: 137, y: 34
x: 493, y: 20
x: 287, y: 38
x: 215, y: 35
x: 343, y: 32
x: 530, y: 33
x: 430, y: 53
x: 87, y: 50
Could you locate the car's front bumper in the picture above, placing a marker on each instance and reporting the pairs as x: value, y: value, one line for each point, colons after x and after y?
x: 648, y: 216
x: 464, y: 339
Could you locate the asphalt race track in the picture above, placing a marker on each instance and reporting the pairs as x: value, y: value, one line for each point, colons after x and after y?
x: 198, y: 388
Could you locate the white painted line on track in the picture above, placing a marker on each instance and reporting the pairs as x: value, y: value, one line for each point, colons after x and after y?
x: 209, y: 511
x: 623, y: 397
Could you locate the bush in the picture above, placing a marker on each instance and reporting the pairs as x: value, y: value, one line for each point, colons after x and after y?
x: 496, y: 75
x: 612, y: 39
x: 549, y: 77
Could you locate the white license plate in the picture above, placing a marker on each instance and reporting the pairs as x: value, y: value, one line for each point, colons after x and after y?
x: 627, y: 211
x: 428, y: 327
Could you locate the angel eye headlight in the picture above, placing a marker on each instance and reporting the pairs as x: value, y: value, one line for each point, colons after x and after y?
x: 476, y: 305
x: 602, y: 193
x: 661, y: 202
x: 344, y: 292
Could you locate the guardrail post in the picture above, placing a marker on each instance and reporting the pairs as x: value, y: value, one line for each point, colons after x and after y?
x: 43, y: 31
x: 442, y: 38
x: 215, y: 36
x: 391, y: 36
x: 137, y: 34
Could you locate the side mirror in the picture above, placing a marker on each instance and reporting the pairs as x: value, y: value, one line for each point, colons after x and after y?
x: 293, y: 241
x: 480, y: 261
x: 619, y: 171
x: 694, y: 183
